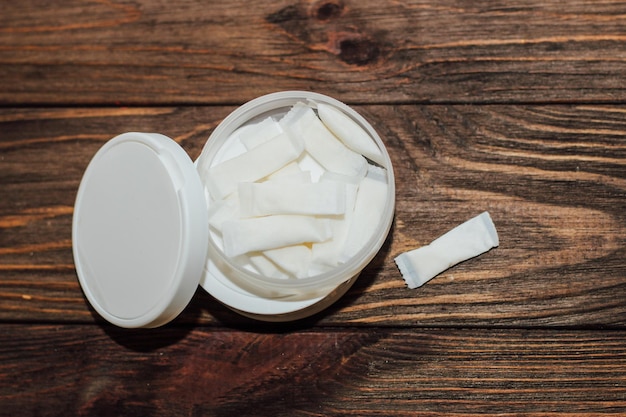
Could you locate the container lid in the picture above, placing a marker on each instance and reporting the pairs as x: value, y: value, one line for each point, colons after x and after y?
x: 139, y: 232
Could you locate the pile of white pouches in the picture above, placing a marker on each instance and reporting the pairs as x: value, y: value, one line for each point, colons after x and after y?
x: 296, y: 196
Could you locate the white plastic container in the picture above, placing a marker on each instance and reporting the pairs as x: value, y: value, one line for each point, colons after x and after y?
x: 141, y: 239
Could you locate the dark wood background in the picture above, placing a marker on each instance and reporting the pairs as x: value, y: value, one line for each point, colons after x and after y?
x: 518, y: 108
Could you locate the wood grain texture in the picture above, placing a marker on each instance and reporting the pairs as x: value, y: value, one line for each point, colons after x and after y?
x: 512, y: 107
x: 552, y: 177
x: 93, y: 371
x: 151, y: 52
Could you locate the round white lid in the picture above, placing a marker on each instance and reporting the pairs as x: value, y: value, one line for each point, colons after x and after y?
x: 139, y: 232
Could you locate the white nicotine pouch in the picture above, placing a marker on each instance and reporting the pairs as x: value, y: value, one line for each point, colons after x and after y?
x: 468, y: 240
x: 321, y: 144
x: 276, y: 197
x: 222, y: 179
x: 271, y: 232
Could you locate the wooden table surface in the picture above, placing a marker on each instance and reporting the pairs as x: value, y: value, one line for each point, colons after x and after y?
x: 518, y: 108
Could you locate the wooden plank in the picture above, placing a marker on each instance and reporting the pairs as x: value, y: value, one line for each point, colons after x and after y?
x: 88, y: 370
x: 553, y: 178
x: 141, y: 52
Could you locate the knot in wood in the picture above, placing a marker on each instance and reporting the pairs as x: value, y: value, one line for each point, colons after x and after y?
x: 327, y: 10
x: 358, y: 51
